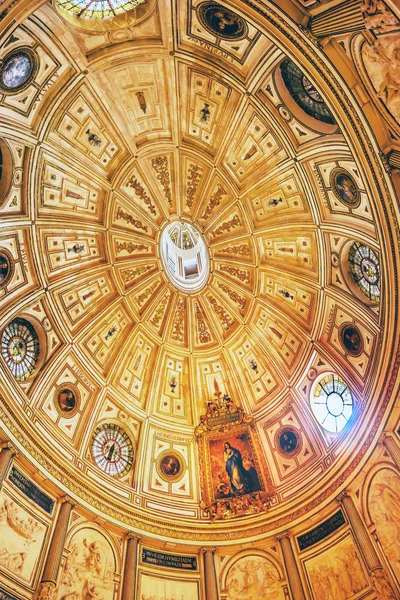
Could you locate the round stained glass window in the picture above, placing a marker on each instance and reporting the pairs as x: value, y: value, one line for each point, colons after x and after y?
x: 95, y: 9
x: 365, y: 270
x: 185, y: 256
x: 17, y: 70
x: 112, y: 450
x: 20, y: 348
x: 332, y: 403
x: 304, y: 93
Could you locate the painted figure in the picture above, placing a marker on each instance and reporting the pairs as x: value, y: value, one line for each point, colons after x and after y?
x: 234, y: 467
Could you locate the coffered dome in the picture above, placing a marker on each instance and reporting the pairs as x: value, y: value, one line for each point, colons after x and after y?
x: 198, y: 214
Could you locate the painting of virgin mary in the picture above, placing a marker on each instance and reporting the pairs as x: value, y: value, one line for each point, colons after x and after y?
x: 233, y: 467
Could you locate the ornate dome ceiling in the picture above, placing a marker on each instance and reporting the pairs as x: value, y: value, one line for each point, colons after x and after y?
x: 229, y: 122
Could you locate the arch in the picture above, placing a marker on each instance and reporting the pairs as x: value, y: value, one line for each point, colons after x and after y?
x: 92, y: 562
x: 252, y: 573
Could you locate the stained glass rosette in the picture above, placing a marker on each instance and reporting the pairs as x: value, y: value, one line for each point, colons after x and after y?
x: 20, y: 348
x: 304, y: 93
x: 332, y: 403
x: 365, y: 270
x: 94, y: 9
x: 112, y: 450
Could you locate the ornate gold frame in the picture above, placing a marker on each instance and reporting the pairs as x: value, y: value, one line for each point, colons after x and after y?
x: 224, y: 419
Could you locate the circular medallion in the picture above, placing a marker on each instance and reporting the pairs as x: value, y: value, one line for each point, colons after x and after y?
x: 332, y: 403
x: 304, y: 93
x: 185, y: 256
x: 170, y: 465
x: 365, y: 270
x: 112, y: 450
x: 20, y: 348
x: 351, y: 339
x: 67, y: 399
x: 345, y: 188
x: 288, y: 441
x: 6, y: 267
x: 221, y: 21
x: 17, y: 70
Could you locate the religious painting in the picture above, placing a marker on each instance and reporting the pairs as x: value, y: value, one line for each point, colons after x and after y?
x: 233, y: 466
x: 234, y: 477
x: 337, y: 572
x: 254, y: 578
x: 288, y: 441
x: 154, y: 587
x: 170, y: 465
x: 221, y: 21
x: 17, y: 70
x: 6, y: 267
x: 345, y: 188
x: 21, y: 539
x: 67, y: 400
x: 351, y: 339
x: 384, y: 507
x: 89, y: 568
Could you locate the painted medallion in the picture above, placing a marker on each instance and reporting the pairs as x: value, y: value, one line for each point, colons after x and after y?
x: 170, y: 465
x: 6, y: 267
x: 351, y: 339
x: 288, y: 441
x: 221, y: 21
x: 345, y: 188
x: 17, y: 70
x: 67, y: 400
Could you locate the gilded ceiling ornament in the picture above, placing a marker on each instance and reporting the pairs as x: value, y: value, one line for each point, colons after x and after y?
x: 235, y: 272
x: 160, y: 310
x: 141, y: 193
x: 160, y: 165
x: 193, y: 180
x: 240, y: 300
x: 215, y: 201
x: 142, y: 101
x: 227, y: 226
x: 202, y: 330
x: 130, y: 247
x: 129, y: 275
x: 141, y: 298
x: 241, y: 250
x: 178, y: 330
x: 125, y: 216
x: 225, y: 319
